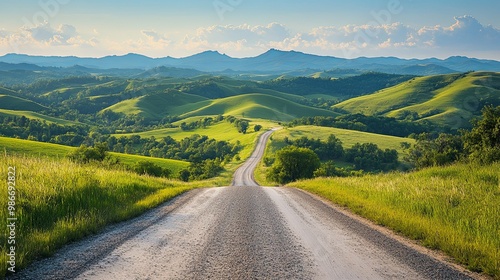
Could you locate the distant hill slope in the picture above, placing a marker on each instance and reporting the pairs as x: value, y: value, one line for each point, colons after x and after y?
x: 8, y: 102
x: 451, y: 100
x: 159, y: 105
x: 272, y: 61
x: 258, y: 105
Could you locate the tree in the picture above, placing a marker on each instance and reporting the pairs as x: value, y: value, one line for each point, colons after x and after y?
x: 148, y: 168
x: 444, y: 149
x: 328, y: 169
x: 85, y: 154
x: 257, y: 127
x: 242, y: 126
x: 483, y: 141
x: 368, y: 156
x: 293, y: 163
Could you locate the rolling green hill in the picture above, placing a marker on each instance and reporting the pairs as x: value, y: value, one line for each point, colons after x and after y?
x: 8, y: 102
x: 451, y: 100
x: 257, y: 105
x: 36, y: 116
x: 26, y: 147
x: 157, y: 106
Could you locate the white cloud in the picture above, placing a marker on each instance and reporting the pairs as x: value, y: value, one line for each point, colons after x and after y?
x: 465, y: 36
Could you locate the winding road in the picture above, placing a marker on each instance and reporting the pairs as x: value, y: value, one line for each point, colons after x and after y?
x: 245, y: 232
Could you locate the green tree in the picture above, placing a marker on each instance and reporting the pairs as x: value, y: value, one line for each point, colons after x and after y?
x: 483, y: 141
x: 368, y: 156
x: 242, y: 126
x: 444, y: 149
x: 148, y: 168
x: 292, y: 164
x: 86, y: 154
x: 257, y: 128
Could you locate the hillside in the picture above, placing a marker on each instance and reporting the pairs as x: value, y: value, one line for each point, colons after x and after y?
x: 451, y: 100
x: 258, y: 106
x: 33, y: 148
x: 157, y: 106
x: 8, y: 102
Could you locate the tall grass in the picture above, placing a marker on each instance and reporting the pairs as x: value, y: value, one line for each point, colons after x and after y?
x: 59, y: 201
x: 455, y: 209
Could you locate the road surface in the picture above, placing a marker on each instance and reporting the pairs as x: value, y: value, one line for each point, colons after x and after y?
x: 244, y: 232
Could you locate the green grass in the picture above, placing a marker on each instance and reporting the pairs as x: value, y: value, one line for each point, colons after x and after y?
x: 8, y: 102
x: 159, y: 105
x: 33, y: 148
x: 223, y: 131
x: 36, y: 116
x: 348, y: 137
x: 454, y: 209
x: 444, y: 99
x: 58, y: 201
x: 258, y: 105
x: 269, y: 105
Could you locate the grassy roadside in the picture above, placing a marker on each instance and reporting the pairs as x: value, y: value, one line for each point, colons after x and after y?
x: 454, y: 209
x: 58, y: 201
x: 27, y: 147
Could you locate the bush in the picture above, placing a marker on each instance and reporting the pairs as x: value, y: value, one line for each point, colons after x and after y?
x: 86, y: 154
x: 292, y: 164
x: 151, y: 169
x: 444, y: 149
x: 483, y: 141
x: 369, y: 157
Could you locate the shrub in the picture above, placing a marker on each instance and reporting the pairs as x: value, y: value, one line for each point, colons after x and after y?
x: 292, y: 164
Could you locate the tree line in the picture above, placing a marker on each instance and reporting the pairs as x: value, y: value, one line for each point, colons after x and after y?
x: 372, y: 124
x: 481, y: 144
x: 307, y: 158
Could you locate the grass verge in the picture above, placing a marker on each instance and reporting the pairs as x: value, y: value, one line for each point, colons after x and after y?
x: 454, y: 209
x: 58, y: 201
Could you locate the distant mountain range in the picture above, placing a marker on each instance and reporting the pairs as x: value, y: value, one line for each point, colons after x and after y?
x: 271, y: 62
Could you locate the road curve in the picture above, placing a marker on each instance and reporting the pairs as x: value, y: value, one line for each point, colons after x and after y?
x: 244, y: 232
x: 244, y: 175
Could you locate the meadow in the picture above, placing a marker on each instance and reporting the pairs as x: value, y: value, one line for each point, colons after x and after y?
x: 58, y: 201
x: 348, y: 138
x: 453, y: 209
x: 222, y: 131
x: 26, y: 147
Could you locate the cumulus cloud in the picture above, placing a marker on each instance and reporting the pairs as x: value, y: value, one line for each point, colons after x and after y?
x: 236, y: 37
x: 464, y: 36
x: 466, y: 33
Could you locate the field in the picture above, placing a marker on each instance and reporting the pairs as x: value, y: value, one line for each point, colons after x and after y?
x: 445, y: 99
x: 58, y: 201
x: 348, y: 137
x: 25, y: 147
x: 222, y: 131
x: 454, y: 209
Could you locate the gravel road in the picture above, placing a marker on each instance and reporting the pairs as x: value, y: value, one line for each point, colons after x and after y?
x: 244, y: 232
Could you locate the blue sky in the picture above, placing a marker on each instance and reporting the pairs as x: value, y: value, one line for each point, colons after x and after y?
x: 240, y: 28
